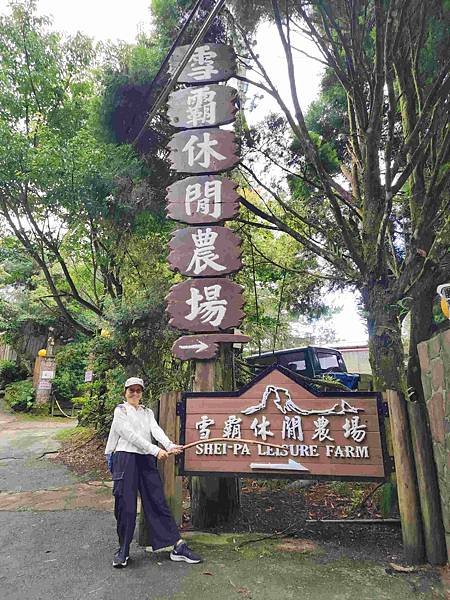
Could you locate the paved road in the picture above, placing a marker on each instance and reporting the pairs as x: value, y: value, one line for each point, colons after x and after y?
x: 57, y: 545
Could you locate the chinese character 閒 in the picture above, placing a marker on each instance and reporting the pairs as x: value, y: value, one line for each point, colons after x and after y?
x: 208, y: 201
x: 292, y: 428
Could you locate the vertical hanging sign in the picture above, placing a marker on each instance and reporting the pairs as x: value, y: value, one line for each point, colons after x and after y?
x: 207, y: 303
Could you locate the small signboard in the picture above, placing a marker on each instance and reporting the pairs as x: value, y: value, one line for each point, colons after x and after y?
x: 45, y: 384
x: 202, y: 106
x: 47, y: 374
x: 329, y: 435
x: 205, y: 251
x: 202, y: 199
x: 203, y: 151
x: 208, y: 63
x: 205, y: 305
x: 88, y: 376
x: 204, y: 347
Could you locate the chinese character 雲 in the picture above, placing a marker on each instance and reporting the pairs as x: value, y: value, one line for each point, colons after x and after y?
x: 208, y: 307
x: 203, y: 427
x: 322, y: 431
x: 354, y: 429
x: 232, y: 427
x: 201, y: 152
x: 292, y: 428
x: 201, y: 109
x: 207, y: 201
x: 204, y: 254
x: 202, y: 63
x: 261, y: 429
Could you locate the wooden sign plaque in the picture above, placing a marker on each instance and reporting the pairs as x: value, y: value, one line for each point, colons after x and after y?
x: 202, y: 106
x: 203, y: 151
x: 205, y: 305
x: 326, y: 435
x: 202, y: 347
x: 205, y: 251
x: 209, y: 63
x: 202, y: 199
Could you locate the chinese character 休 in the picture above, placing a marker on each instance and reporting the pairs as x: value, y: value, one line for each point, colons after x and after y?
x: 202, y: 152
x: 204, y: 254
x: 206, y: 200
x: 209, y: 307
x: 261, y: 429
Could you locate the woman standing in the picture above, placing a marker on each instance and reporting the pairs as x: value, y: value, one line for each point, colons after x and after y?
x: 132, y: 457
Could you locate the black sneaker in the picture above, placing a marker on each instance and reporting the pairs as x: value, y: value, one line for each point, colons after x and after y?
x: 183, y: 552
x: 120, y: 560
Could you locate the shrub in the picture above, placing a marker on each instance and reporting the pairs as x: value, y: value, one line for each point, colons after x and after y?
x: 20, y: 395
x: 10, y: 371
x: 71, y: 361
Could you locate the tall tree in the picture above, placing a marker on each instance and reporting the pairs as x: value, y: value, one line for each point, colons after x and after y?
x: 380, y: 205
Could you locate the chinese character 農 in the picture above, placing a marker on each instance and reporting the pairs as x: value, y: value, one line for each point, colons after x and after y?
x: 204, y: 254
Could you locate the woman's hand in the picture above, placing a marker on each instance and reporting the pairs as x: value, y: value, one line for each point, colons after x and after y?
x: 176, y: 449
x: 162, y: 455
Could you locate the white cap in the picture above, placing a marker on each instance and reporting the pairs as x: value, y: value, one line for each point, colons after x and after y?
x: 134, y: 381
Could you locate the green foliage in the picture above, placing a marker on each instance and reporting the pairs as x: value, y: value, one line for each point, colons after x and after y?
x: 20, y: 396
x: 10, y: 371
x: 71, y: 361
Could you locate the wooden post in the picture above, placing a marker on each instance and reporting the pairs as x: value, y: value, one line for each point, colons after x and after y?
x: 172, y: 483
x: 408, y: 499
x: 214, y: 500
x: 433, y: 528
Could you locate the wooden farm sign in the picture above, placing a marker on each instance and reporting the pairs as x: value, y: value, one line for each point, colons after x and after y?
x: 208, y: 302
x: 210, y: 62
x: 201, y: 305
x: 203, y: 151
x: 205, y: 106
x: 202, y: 199
x: 320, y: 435
x: 204, y: 347
x: 205, y: 251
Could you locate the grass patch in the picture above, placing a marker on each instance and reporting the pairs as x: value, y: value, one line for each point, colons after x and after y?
x: 74, y: 435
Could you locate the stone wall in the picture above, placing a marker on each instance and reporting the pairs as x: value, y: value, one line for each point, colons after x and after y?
x: 435, y: 367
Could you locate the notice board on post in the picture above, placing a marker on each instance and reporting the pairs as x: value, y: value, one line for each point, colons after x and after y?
x: 323, y: 435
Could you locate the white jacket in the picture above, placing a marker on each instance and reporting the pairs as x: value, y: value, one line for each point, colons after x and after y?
x: 133, y: 429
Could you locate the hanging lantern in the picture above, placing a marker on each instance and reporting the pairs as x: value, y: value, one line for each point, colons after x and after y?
x: 444, y: 293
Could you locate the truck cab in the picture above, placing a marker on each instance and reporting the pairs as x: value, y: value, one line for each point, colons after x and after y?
x: 311, y: 361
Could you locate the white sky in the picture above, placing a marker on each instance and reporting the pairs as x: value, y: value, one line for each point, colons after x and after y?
x: 119, y: 20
